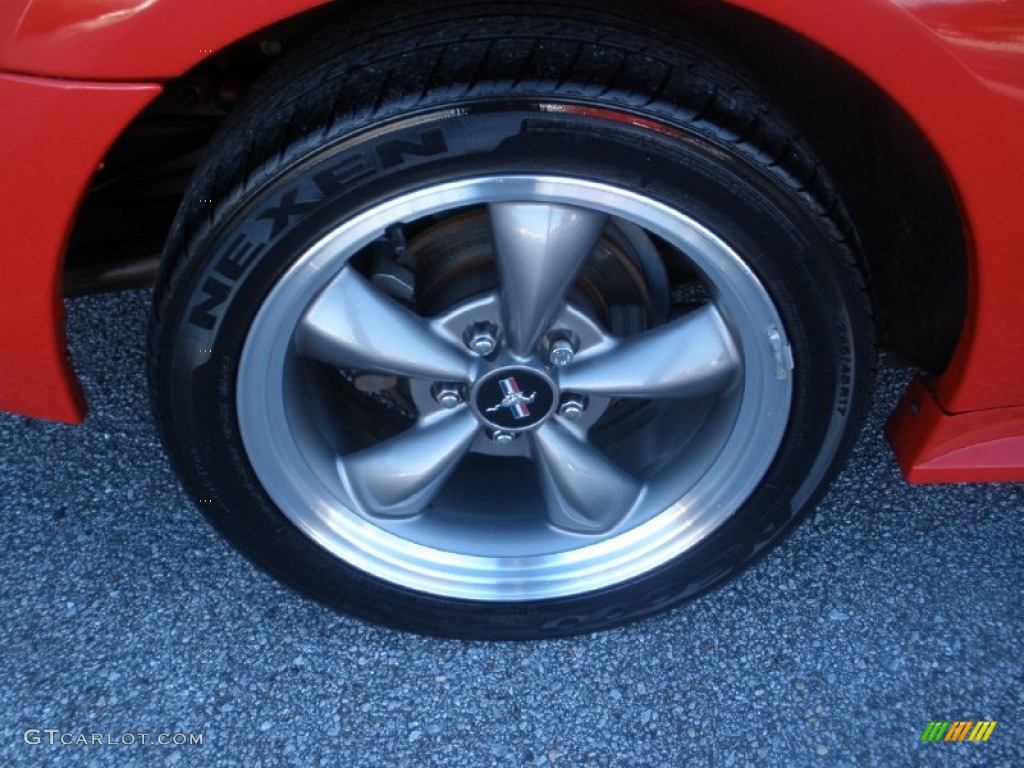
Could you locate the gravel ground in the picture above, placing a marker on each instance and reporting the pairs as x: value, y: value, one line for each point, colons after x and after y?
x: 124, y: 613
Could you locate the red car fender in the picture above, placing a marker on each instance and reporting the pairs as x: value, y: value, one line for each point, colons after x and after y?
x: 958, y: 70
x: 960, y: 75
x: 128, y: 39
x: 955, y: 67
x: 48, y: 154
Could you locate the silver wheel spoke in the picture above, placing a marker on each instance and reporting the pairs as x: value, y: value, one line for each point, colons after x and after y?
x: 694, y: 355
x: 540, y: 251
x: 399, y: 477
x: 352, y: 325
x: 585, y: 492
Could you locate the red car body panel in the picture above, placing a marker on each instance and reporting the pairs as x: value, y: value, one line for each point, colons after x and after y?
x: 956, y: 67
x: 49, y: 152
x: 128, y: 39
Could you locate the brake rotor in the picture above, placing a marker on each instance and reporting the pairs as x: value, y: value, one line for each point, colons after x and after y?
x: 623, y: 287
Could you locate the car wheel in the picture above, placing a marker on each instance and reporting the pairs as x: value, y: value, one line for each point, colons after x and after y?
x: 503, y: 321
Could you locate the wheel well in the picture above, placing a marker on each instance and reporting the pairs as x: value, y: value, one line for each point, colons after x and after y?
x: 887, y: 173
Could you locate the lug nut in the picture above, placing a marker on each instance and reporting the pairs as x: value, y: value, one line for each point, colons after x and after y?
x: 561, y: 353
x: 572, y: 408
x: 447, y: 395
x: 482, y: 338
x: 501, y: 437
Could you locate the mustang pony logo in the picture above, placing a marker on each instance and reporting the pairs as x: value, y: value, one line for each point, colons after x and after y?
x: 513, y: 399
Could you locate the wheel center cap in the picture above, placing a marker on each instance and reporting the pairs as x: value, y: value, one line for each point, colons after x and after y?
x: 514, y: 399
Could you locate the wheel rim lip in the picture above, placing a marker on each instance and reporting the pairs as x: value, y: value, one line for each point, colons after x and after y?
x: 283, y: 471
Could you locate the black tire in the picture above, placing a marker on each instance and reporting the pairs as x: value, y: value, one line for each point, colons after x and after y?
x: 396, y: 102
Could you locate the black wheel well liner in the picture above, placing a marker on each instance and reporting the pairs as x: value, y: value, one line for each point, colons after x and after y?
x: 891, y: 179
